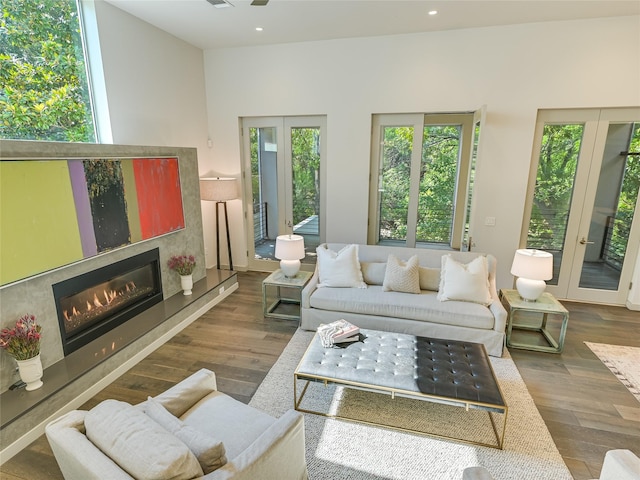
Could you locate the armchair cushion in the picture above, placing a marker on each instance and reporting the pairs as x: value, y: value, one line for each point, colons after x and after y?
x: 139, y: 445
x: 208, y: 450
x: 238, y: 424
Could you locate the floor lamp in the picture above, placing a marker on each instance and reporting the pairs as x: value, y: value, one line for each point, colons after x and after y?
x: 220, y: 190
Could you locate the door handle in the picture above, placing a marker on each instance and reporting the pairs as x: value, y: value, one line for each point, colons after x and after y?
x: 583, y: 241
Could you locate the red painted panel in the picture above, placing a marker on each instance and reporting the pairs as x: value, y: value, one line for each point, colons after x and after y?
x: 159, y: 195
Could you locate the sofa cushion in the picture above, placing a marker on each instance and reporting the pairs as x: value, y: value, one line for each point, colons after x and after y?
x: 139, y: 445
x: 238, y: 425
x: 373, y: 272
x: 339, y: 269
x: 424, y: 307
x: 429, y: 278
x: 465, y: 282
x: 208, y: 450
x: 402, y: 276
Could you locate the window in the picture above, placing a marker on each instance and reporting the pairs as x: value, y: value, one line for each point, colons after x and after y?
x: 44, y: 89
x: 420, y: 193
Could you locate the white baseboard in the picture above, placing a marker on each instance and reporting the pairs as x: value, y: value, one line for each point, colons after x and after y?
x: 33, y: 434
x: 633, y: 306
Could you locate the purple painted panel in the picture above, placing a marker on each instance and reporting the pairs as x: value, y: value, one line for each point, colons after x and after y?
x: 83, y: 208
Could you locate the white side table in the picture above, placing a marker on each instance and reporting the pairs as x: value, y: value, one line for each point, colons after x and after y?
x: 278, y: 289
x: 534, y: 317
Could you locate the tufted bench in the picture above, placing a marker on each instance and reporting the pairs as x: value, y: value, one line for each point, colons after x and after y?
x: 445, y: 371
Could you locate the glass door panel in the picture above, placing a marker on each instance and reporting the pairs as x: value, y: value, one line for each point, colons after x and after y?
x: 555, y: 178
x: 394, y: 184
x: 305, y: 186
x: 614, y: 208
x: 438, y: 172
x: 263, y: 149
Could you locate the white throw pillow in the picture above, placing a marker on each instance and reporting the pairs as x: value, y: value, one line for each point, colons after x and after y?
x: 429, y: 278
x: 402, y: 276
x: 339, y: 269
x: 209, y: 451
x: 183, y: 395
x: 465, y: 282
x: 139, y: 445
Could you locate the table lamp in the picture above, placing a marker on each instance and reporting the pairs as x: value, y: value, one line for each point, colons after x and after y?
x: 532, y: 267
x: 289, y: 250
x: 220, y: 190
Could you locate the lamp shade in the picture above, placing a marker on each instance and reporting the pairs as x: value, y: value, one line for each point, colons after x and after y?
x: 532, y: 267
x: 218, y: 189
x: 289, y: 250
x: 532, y: 264
x: 289, y: 247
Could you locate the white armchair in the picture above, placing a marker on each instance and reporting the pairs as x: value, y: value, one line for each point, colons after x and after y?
x: 255, y: 445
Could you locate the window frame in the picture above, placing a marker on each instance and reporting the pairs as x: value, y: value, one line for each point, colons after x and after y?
x: 467, y: 121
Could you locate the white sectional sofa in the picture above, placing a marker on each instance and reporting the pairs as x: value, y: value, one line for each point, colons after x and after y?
x: 422, y: 313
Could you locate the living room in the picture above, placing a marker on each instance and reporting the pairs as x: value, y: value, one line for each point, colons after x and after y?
x: 164, y: 92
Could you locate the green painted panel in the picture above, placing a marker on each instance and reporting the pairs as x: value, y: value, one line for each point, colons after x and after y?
x: 39, y: 228
x: 131, y: 197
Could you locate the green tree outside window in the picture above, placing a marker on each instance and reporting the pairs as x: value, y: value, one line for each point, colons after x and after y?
x: 44, y: 92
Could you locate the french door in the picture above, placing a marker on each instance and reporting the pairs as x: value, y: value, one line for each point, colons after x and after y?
x: 583, y: 199
x: 283, y: 174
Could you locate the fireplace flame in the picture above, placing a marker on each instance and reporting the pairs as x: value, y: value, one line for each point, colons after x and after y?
x: 96, y: 301
x: 101, y: 300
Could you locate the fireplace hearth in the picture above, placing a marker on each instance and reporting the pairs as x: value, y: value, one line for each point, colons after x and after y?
x: 92, y: 304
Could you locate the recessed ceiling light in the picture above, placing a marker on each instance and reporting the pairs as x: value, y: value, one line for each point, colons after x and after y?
x: 433, y: 12
x: 259, y: 29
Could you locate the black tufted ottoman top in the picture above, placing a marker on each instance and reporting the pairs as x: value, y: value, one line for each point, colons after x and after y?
x: 409, y: 366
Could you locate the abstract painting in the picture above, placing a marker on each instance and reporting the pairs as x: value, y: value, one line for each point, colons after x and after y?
x: 56, y: 211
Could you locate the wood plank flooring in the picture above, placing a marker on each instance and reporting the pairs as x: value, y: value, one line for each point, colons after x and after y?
x: 587, y: 410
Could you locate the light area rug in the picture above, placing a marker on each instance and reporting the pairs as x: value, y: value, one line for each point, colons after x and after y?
x: 339, y: 449
x: 623, y: 361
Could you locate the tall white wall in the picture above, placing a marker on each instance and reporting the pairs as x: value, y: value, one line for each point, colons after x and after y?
x: 513, y: 70
x: 155, y: 84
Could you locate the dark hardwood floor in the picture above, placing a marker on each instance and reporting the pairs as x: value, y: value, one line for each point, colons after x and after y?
x: 587, y: 410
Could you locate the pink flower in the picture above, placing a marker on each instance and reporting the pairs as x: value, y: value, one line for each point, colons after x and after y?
x: 182, y: 264
x: 23, y: 341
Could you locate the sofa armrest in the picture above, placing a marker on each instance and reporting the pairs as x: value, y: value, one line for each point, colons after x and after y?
x: 76, y: 455
x: 620, y: 465
x: 278, y: 453
x: 499, y: 315
x: 307, y: 291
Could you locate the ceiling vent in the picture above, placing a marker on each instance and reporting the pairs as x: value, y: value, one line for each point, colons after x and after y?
x: 220, y: 3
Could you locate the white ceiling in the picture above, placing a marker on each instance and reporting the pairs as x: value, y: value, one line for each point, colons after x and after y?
x: 284, y: 21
